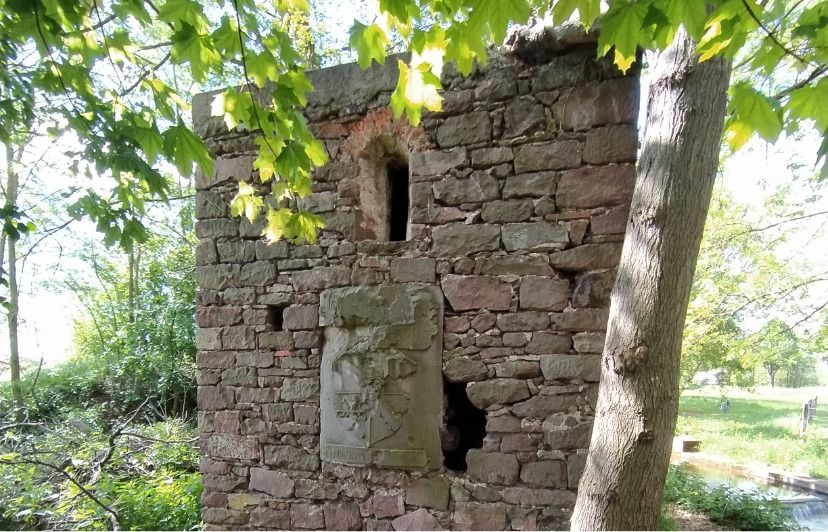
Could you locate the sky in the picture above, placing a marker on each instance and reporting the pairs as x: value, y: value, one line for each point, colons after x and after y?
x: 48, y: 314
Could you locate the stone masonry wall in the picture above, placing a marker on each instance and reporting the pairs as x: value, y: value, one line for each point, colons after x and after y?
x: 519, y: 193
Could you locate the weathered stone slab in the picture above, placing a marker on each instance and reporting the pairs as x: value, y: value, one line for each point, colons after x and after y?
x: 563, y: 367
x: 479, y: 187
x: 540, y: 293
x: 611, y: 144
x: 465, y: 129
x: 468, y: 292
x: 555, y: 155
x: 507, y: 211
x: 381, y: 376
x: 593, y: 289
x: 497, y: 391
x: 565, y: 431
x: 532, y: 185
x: 595, y: 186
x: 535, y: 236
x: 436, y: 162
x: 459, y: 240
x: 587, y: 257
x: 495, y: 468
x: 465, y: 370
x: 479, y: 516
x: 595, y: 104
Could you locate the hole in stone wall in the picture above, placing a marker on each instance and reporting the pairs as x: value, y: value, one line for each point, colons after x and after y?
x: 275, y: 317
x: 465, y: 426
x: 398, y: 201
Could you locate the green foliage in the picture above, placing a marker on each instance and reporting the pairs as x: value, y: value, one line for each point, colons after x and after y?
x: 151, y: 479
x: 121, y: 361
x: 726, y: 505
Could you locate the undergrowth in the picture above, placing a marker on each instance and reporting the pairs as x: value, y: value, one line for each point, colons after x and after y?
x: 724, y: 504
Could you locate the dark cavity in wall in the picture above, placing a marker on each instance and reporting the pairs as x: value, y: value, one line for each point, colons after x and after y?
x: 398, y: 201
x: 275, y: 317
x: 465, y: 426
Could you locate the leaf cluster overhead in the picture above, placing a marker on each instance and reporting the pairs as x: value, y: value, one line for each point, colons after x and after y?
x: 115, y: 91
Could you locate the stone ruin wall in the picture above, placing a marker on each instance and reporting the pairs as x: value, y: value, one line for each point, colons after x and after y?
x: 483, y: 327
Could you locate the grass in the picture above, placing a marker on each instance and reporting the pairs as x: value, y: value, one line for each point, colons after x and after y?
x: 762, y: 427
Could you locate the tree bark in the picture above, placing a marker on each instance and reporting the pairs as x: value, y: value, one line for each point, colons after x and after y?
x: 14, y: 352
x: 621, y: 488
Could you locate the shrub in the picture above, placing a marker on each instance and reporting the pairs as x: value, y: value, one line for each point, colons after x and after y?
x: 726, y: 505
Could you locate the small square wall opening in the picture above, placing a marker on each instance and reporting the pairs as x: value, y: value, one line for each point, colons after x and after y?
x: 276, y: 317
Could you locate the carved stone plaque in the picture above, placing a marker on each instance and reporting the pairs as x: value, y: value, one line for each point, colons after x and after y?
x: 381, y: 375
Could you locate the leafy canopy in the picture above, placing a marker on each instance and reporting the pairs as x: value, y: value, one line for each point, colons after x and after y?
x: 130, y: 128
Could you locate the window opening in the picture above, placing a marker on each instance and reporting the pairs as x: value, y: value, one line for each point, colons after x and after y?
x: 465, y: 426
x: 398, y: 200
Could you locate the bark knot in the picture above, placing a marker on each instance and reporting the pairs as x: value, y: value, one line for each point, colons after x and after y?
x: 628, y: 360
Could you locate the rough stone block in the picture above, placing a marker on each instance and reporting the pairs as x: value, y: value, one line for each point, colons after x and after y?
x: 467, y: 292
x: 301, y: 317
x: 589, y: 342
x: 306, y: 516
x: 478, y: 516
x: 218, y: 316
x: 259, y: 273
x: 320, y: 278
x: 238, y: 337
x: 387, y: 505
x: 300, y: 389
x: 580, y: 320
x: 419, y: 519
x: 536, y: 236
x: 413, y: 270
x: 540, y: 293
x: 430, y: 492
x: 497, y: 391
x: 485, y: 157
x: 532, y: 185
x: 270, y: 251
x: 544, y: 474
x: 539, y: 497
x: 287, y: 457
x: 563, y: 367
x: 541, y: 406
x: 228, y: 446
x: 555, y: 155
x: 596, y: 104
x: 436, y: 162
x: 465, y: 129
x: 494, y: 468
x: 565, y: 431
x: 479, y: 187
x: 507, y: 211
x: 517, y: 369
x: 514, y: 265
x: 214, y: 398
x: 523, y: 321
x: 342, y: 516
x: 611, y: 144
x: 523, y: 116
x: 460, y: 240
x: 465, y: 370
x: 273, y: 483
x: 596, y: 186
x: 543, y: 342
x: 587, y: 257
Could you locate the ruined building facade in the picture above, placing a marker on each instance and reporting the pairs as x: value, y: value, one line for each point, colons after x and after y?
x: 433, y: 360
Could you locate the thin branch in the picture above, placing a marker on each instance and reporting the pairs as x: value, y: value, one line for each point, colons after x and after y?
x: 114, y: 519
x: 144, y: 75
x: 818, y: 71
x: 771, y: 35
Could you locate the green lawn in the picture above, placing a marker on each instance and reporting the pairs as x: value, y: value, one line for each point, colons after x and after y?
x: 762, y: 427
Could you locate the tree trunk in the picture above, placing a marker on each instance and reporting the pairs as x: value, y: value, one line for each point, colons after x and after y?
x: 621, y: 488
x: 14, y: 353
